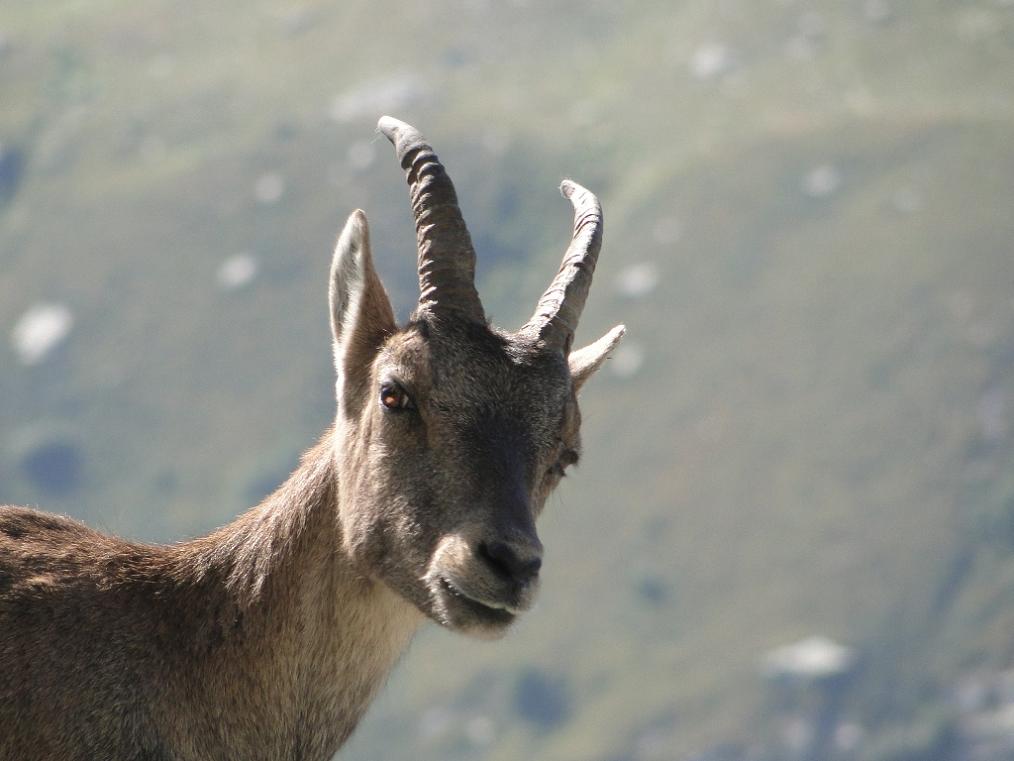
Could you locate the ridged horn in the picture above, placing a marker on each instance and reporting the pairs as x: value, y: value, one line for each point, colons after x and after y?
x: 557, y: 314
x: 446, y: 258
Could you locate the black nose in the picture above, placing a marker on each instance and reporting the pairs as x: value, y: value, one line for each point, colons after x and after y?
x: 520, y: 564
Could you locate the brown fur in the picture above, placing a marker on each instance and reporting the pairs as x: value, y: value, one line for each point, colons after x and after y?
x: 268, y: 638
x: 256, y: 642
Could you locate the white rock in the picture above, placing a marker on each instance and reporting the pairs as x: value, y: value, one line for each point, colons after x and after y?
x: 153, y: 149
x: 711, y: 60
x: 435, y: 722
x: 973, y: 693
x: 480, y: 730
x: 796, y: 733
x: 361, y: 154
x: 800, y: 48
x: 667, y: 230
x: 877, y: 11
x: 295, y: 21
x: 583, y: 113
x: 496, y: 141
x: 995, y: 723
x: 391, y: 94
x: 811, y: 24
x: 907, y: 200
x: 161, y: 66
x: 982, y: 334
x: 1004, y: 687
x: 812, y: 658
x: 848, y: 736
x: 637, y: 280
x: 42, y: 328
x: 821, y: 181
x: 977, y: 24
x: 269, y: 188
x: 992, y: 413
x: 961, y: 304
x: 237, y: 271
x: 627, y: 360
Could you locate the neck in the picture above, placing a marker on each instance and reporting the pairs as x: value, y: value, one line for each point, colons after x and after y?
x: 306, y: 638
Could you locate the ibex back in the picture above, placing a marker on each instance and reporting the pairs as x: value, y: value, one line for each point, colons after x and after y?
x: 268, y: 638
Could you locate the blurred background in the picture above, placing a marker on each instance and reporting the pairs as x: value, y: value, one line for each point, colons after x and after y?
x: 792, y: 535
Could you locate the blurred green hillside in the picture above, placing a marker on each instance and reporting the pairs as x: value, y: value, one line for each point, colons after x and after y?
x: 809, y: 430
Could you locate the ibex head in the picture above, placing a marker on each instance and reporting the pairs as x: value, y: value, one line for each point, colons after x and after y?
x: 452, y: 433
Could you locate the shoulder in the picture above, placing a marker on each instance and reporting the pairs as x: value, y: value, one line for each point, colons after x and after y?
x: 33, y: 542
x: 22, y: 525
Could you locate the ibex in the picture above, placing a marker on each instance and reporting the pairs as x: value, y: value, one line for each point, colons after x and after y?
x: 268, y: 638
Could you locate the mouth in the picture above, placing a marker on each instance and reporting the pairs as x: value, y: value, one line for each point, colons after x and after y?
x: 467, y: 612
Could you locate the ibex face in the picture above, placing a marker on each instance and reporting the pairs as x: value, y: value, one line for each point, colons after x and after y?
x: 451, y: 434
x: 466, y: 432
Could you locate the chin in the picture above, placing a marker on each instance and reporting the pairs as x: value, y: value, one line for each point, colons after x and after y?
x: 455, y: 610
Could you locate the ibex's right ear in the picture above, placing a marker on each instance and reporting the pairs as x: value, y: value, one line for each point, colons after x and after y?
x: 584, y: 362
x: 361, y: 314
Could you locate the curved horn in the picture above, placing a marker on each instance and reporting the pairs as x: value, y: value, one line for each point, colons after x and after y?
x: 559, y: 309
x: 446, y: 256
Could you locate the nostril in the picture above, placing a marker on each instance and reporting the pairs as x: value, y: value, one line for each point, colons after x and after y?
x: 508, y: 563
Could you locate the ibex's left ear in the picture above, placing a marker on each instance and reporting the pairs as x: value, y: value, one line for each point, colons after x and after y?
x: 584, y: 362
x: 361, y: 314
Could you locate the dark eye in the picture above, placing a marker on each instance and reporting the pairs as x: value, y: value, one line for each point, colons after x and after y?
x: 394, y: 397
x: 567, y: 457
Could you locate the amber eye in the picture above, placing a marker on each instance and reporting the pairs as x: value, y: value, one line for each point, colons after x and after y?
x: 393, y: 397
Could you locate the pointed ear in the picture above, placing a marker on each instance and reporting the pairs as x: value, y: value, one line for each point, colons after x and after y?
x: 361, y: 314
x: 584, y: 362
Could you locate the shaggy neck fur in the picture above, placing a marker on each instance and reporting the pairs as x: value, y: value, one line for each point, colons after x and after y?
x: 296, y: 641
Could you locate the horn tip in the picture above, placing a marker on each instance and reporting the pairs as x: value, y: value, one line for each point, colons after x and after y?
x: 573, y: 191
x: 358, y: 218
x: 390, y: 127
x: 403, y: 136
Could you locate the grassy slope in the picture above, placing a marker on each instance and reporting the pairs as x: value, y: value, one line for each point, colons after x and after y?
x: 800, y: 451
